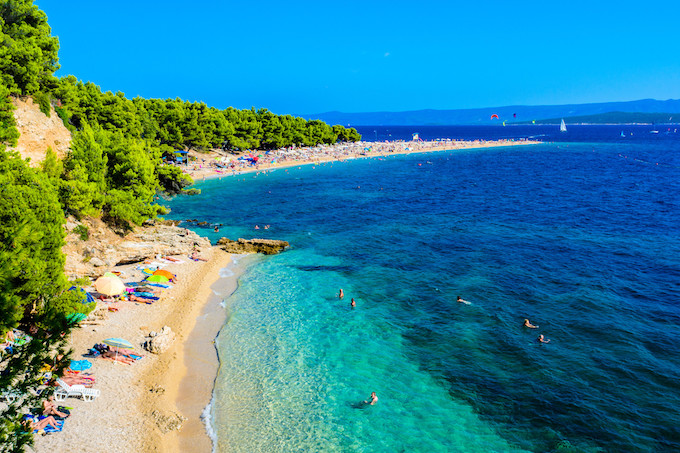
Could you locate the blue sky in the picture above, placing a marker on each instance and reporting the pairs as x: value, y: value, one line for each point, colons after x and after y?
x: 304, y: 57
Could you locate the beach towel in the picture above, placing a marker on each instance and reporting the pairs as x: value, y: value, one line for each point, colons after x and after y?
x: 145, y: 294
x: 135, y: 356
x: 159, y: 285
x: 50, y: 429
x: 147, y: 297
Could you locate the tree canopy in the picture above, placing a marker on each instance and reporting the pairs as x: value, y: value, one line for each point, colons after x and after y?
x: 28, y: 52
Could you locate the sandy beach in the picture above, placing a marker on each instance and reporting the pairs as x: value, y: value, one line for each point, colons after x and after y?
x: 218, y: 163
x: 133, y: 397
x: 140, y: 404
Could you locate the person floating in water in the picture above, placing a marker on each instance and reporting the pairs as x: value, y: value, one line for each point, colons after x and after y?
x: 257, y: 227
x: 353, y: 304
x: 372, y: 399
x: 217, y: 229
x: 341, y: 294
x: 542, y: 339
x: 529, y: 325
x: 459, y: 299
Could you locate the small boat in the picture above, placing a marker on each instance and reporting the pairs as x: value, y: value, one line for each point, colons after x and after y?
x: 563, y: 127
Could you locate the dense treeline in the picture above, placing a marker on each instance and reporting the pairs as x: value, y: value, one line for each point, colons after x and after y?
x: 184, y: 124
x: 115, y: 169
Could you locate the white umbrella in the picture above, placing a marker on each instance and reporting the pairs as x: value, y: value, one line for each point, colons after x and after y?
x: 109, y: 286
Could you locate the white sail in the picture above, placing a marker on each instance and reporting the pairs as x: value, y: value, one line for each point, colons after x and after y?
x: 563, y: 127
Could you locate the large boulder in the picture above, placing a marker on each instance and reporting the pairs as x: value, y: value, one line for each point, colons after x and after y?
x: 160, y: 341
x: 265, y: 246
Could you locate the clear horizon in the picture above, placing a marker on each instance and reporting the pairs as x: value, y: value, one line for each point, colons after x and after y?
x: 312, y: 57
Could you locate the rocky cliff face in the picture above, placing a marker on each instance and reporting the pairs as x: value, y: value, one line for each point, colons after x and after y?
x: 104, y: 249
x: 266, y: 246
x: 39, y: 132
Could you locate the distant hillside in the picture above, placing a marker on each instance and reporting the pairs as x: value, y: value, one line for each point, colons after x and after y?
x: 614, y: 118
x: 516, y: 113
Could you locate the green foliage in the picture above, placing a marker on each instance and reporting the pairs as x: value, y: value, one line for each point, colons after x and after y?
x: 8, y: 131
x: 172, y: 180
x: 32, y: 286
x: 85, y: 169
x: 83, y: 232
x: 28, y: 54
x: 43, y: 101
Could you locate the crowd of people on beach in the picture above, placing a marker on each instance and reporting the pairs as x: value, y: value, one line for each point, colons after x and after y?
x: 233, y: 164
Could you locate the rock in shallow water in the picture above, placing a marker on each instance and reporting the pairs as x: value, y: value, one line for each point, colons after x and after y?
x: 266, y: 246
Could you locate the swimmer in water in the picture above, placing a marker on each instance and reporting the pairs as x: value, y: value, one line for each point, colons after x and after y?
x: 459, y: 299
x: 353, y: 304
x: 372, y: 400
x: 542, y: 339
x: 529, y: 325
x: 341, y: 294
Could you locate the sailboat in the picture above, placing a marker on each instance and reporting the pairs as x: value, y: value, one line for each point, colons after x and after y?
x: 563, y: 127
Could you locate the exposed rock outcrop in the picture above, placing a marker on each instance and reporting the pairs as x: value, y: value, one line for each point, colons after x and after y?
x: 160, y: 341
x: 104, y: 249
x: 39, y: 132
x: 265, y: 246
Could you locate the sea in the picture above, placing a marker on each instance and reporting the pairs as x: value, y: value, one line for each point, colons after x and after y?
x: 579, y: 234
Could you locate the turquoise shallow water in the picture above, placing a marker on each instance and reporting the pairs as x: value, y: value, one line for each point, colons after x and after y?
x: 582, y: 238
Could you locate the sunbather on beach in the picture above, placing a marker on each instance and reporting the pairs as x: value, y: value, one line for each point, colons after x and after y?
x: 134, y: 298
x: 110, y: 355
x: 196, y: 257
x: 50, y: 408
x: 77, y: 380
x: 33, y: 423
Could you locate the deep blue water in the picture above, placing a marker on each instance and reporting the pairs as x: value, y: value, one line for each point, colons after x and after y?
x: 582, y: 238
x: 575, y: 133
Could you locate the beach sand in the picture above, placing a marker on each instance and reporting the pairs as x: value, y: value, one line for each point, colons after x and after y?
x: 124, y: 417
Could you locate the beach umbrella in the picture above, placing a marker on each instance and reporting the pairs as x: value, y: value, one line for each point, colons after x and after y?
x: 80, y: 365
x: 158, y: 279
x: 75, y: 318
x: 118, y: 343
x: 86, y: 297
x: 109, y: 286
x: 165, y: 273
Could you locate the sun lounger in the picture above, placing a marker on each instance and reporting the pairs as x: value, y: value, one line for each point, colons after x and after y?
x: 65, y: 391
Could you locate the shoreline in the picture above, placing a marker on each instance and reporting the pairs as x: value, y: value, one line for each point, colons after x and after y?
x: 201, y: 365
x: 138, y: 401
x: 333, y: 154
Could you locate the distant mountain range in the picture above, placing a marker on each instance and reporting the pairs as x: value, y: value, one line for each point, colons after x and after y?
x: 510, y: 114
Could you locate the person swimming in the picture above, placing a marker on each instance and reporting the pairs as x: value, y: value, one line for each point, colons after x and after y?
x: 353, y: 304
x: 542, y: 339
x: 372, y: 399
x: 341, y: 294
x: 529, y: 325
x: 459, y: 299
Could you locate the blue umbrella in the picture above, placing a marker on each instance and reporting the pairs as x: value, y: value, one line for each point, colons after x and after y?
x: 87, y: 297
x: 80, y: 365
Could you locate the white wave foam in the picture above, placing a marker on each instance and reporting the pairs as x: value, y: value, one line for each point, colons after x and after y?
x: 207, y: 421
x: 226, y: 272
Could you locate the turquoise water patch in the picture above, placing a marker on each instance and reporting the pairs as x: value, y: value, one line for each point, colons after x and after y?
x: 578, y: 239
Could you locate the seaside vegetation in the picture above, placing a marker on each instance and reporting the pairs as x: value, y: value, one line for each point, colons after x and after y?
x: 115, y: 169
